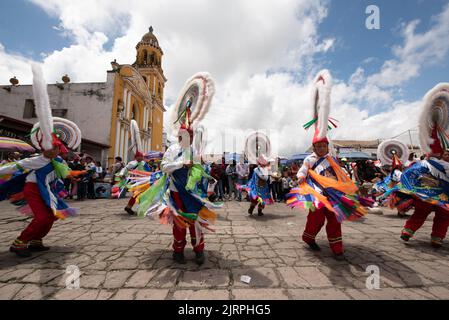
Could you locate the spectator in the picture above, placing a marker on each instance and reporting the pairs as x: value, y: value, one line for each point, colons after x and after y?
x: 224, y: 178
x: 217, y: 173
x: 91, y: 175
x: 242, y: 170
x: 231, y: 173
x: 99, y: 171
x: 82, y: 181
x: 117, y: 166
x: 285, y: 183
x: 275, y: 186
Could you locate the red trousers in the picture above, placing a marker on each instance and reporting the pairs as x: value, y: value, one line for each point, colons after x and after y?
x: 180, y: 234
x: 315, y: 221
x: 422, y: 211
x: 43, y: 215
x: 131, y: 202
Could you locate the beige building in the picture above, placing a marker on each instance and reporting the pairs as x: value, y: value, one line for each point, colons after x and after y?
x: 103, y: 111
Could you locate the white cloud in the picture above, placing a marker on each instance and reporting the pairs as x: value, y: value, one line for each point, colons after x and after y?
x: 255, y: 50
x: 418, y: 50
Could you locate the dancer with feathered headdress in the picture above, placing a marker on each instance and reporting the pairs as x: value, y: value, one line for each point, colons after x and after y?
x: 173, y: 196
x: 392, y: 154
x: 427, y: 181
x: 324, y: 188
x: 35, y: 183
x: 136, y: 168
x: 258, y: 187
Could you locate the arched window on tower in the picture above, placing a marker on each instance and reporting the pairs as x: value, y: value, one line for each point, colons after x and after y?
x: 151, y: 58
x: 145, y: 57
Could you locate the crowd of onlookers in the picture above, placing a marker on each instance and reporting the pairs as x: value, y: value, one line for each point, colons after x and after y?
x: 228, y: 175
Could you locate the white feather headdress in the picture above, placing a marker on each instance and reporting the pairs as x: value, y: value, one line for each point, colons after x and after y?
x: 435, y: 113
x: 390, y: 148
x: 136, y: 143
x: 199, y: 90
x: 43, y: 109
x: 321, y: 101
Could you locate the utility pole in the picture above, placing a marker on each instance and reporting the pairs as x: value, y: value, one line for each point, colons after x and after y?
x: 411, y: 142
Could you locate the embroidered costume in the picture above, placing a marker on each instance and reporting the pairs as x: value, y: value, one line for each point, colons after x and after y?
x: 35, y: 184
x: 427, y: 181
x: 325, y: 189
x: 258, y: 187
x: 177, y: 197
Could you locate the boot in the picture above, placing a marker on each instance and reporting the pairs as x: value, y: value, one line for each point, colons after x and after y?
x: 339, y: 256
x: 259, y: 212
x: 199, y: 257
x: 314, y: 246
x: 251, y: 209
x: 179, y: 257
x: 436, y: 242
x: 405, y: 235
x: 37, y: 246
x: 130, y: 211
x: 20, y: 249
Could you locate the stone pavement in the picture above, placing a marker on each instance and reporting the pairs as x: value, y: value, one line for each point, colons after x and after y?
x: 123, y: 257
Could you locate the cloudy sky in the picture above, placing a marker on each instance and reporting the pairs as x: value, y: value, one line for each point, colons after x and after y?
x: 262, y: 55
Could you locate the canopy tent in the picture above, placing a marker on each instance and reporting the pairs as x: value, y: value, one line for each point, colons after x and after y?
x: 156, y: 155
x: 356, y: 155
x: 297, y: 158
x: 10, y: 144
x: 232, y: 156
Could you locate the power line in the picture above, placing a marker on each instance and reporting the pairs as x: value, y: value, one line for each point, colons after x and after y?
x: 406, y: 131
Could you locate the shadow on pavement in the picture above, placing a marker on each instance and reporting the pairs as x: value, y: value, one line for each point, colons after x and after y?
x: 52, y: 266
x: 352, y: 273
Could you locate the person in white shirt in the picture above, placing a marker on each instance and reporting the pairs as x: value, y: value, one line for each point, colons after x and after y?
x: 177, y: 161
x: 318, y: 162
x: 242, y: 169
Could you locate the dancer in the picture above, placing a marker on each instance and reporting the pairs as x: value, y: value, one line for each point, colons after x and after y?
x: 258, y: 150
x: 258, y: 188
x: 173, y: 196
x: 35, y: 184
x: 392, y: 154
x: 427, y: 181
x: 138, y: 164
x: 324, y: 188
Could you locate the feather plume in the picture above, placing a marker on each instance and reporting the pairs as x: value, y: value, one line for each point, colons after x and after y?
x: 321, y: 100
x: 206, y: 87
x: 385, y: 146
x: 441, y: 90
x: 136, y: 143
x: 43, y: 109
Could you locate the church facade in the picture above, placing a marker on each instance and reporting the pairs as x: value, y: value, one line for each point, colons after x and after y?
x: 104, y: 110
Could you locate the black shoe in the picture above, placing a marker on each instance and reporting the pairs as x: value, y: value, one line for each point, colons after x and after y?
x: 340, y: 257
x: 259, y: 213
x: 38, y: 248
x: 179, y: 257
x: 199, y: 257
x: 314, y: 246
x: 23, y: 253
x: 130, y: 211
x: 250, y: 210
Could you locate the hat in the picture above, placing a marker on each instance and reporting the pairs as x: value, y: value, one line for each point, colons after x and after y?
x: 396, y: 162
x: 138, y: 154
x: 262, y: 160
x: 317, y: 138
